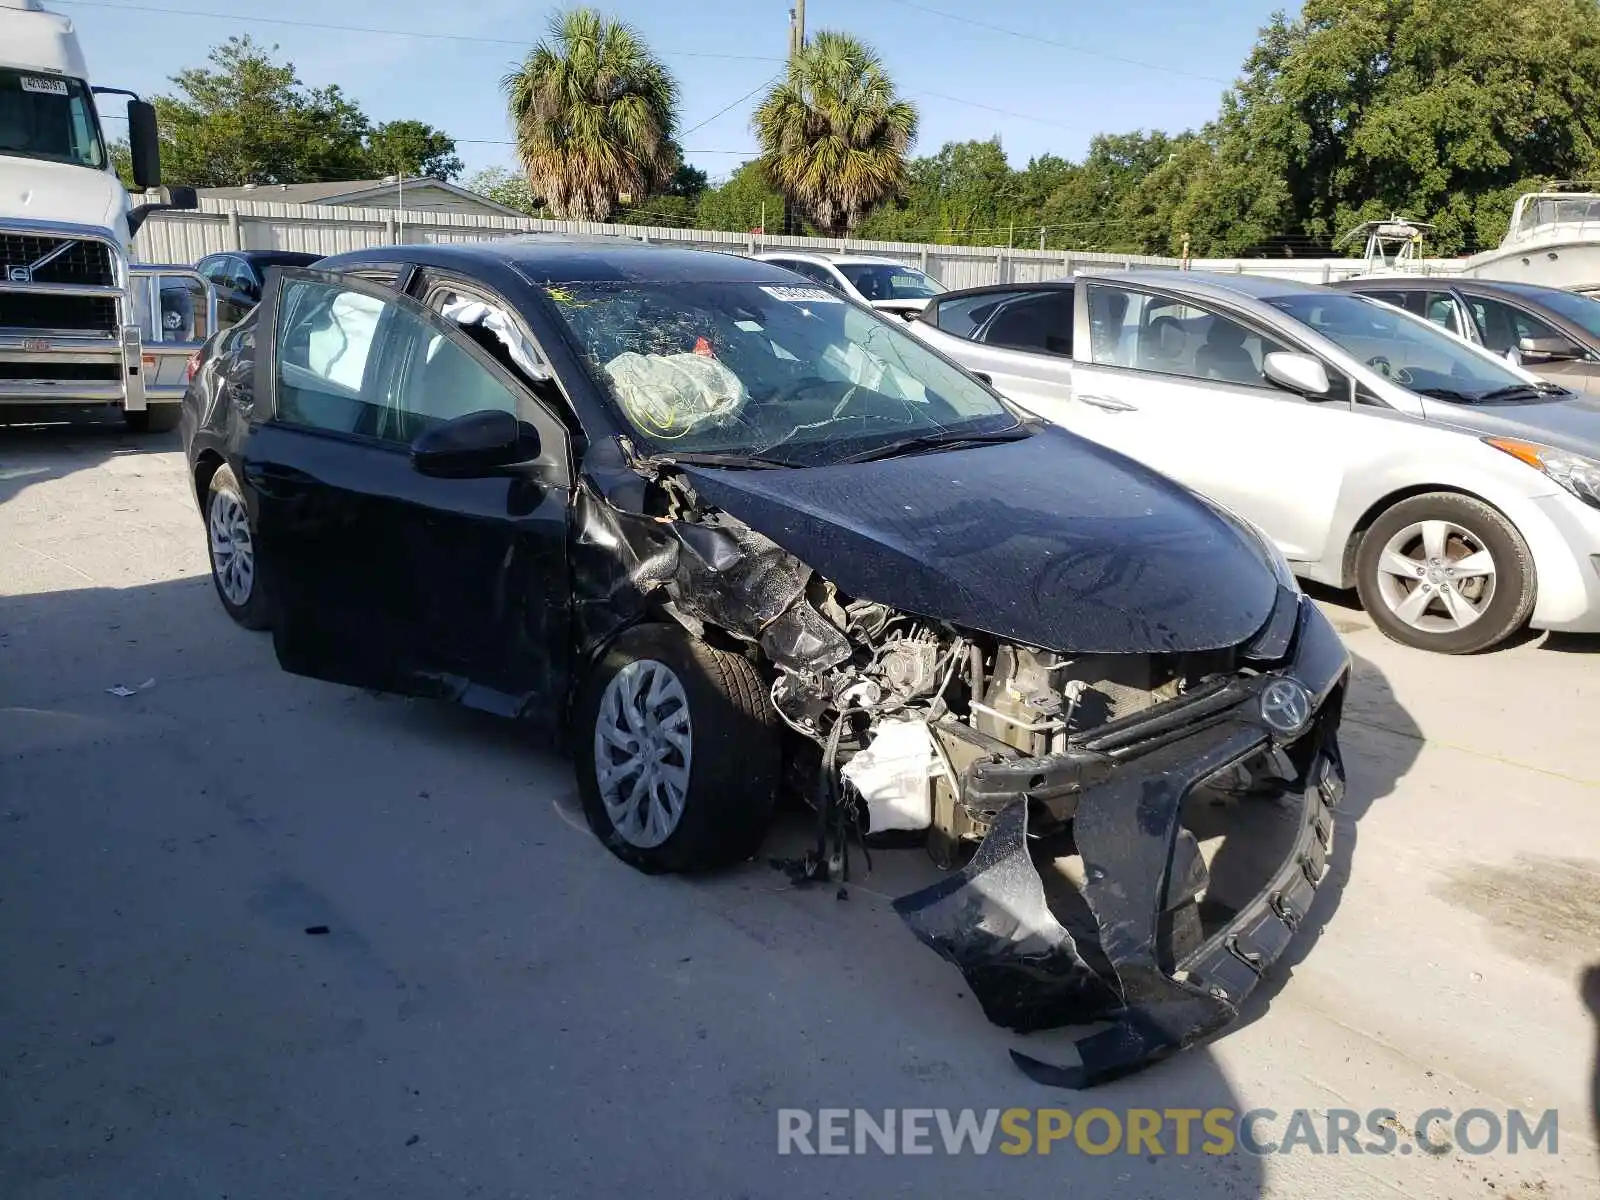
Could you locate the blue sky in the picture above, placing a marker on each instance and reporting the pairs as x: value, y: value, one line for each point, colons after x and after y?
x: 1100, y: 68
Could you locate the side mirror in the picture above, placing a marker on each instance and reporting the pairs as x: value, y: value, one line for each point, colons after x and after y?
x: 474, y: 445
x: 1548, y: 349
x: 183, y: 199
x: 144, y: 144
x: 1297, y: 373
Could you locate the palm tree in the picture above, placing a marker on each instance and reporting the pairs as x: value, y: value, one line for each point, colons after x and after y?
x: 594, y: 111
x: 833, y: 133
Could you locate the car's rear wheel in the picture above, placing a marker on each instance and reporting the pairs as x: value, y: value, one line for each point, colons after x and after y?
x: 159, y: 418
x: 1447, y: 573
x: 677, y: 752
x: 231, y: 542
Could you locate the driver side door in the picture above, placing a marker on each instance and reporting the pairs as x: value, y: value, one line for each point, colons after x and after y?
x: 381, y: 575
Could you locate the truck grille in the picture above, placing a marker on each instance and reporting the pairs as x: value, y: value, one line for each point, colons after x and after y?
x: 82, y: 262
x: 66, y: 314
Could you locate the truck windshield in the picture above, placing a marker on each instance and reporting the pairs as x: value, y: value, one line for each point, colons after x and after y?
x: 50, y: 117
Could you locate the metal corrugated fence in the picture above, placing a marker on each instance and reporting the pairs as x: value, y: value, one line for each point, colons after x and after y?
x: 184, y: 237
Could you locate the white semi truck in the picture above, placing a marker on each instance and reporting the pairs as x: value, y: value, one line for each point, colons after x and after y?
x: 80, y: 323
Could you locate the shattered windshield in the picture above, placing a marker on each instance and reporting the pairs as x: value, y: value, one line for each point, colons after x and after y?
x: 49, y: 117
x: 881, y: 281
x: 1403, y: 349
x: 792, y: 374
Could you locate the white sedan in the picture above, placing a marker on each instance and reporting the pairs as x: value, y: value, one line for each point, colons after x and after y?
x: 1459, y: 494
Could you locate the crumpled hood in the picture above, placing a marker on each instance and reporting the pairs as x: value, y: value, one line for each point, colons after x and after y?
x: 51, y: 191
x: 1052, y: 541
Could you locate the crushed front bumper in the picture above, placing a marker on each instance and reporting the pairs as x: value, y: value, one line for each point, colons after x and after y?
x: 993, y: 919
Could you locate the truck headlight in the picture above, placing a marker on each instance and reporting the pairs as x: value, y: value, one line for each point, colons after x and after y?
x: 1577, y: 474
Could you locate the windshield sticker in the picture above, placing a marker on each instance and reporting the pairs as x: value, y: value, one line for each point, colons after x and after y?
x: 802, y: 295
x: 47, y: 87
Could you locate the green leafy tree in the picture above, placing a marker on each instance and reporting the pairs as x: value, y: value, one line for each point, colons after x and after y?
x: 1357, y: 109
x: 742, y: 202
x: 249, y: 119
x: 412, y: 147
x: 506, y: 187
x: 834, y: 134
x: 594, y: 111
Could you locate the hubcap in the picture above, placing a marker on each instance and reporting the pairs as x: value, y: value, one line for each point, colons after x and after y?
x: 233, y: 552
x: 643, y: 752
x: 1436, y: 576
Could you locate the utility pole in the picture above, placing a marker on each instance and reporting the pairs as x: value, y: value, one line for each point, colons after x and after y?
x: 797, y: 43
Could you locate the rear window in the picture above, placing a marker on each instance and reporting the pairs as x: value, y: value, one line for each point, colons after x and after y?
x: 963, y: 315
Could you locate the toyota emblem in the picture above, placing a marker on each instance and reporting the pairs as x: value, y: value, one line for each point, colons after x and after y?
x: 1286, y: 706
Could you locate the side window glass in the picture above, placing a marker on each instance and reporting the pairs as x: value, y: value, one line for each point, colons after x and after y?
x: 324, y: 358
x: 215, y: 270
x: 491, y: 325
x: 1443, y: 311
x: 1153, y: 333
x: 1032, y: 322
x: 964, y: 316
x: 434, y: 380
x: 1502, y: 327
x: 1398, y: 299
x: 818, y: 273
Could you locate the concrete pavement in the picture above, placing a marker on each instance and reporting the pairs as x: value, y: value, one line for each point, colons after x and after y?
x: 502, y: 1009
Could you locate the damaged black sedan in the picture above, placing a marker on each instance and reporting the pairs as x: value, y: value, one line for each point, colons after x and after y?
x: 731, y: 537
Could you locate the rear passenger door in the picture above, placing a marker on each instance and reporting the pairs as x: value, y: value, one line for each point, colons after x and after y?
x: 382, y: 576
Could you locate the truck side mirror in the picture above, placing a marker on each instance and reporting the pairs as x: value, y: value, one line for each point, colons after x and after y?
x: 144, y: 143
x: 183, y: 199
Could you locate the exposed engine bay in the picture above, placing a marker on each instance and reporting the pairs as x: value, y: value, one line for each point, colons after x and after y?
x: 1129, y: 837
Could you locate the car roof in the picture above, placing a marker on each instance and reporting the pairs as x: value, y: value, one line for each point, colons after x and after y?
x: 1214, y: 284
x: 1530, y: 291
x: 557, y: 258
x: 825, y: 256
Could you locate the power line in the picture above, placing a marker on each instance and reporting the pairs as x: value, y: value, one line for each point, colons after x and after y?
x: 1035, y: 37
x: 403, y: 33
x: 1004, y: 112
x: 768, y: 82
x: 493, y: 41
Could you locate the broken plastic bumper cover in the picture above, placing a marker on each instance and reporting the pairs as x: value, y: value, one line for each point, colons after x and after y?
x: 993, y: 921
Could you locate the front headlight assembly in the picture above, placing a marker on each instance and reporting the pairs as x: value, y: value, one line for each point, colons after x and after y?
x: 1577, y: 474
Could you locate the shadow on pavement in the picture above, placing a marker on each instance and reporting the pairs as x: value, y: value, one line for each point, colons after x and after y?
x: 1378, y: 753
x: 53, y: 448
x: 1589, y: 989
x: 494, y: 979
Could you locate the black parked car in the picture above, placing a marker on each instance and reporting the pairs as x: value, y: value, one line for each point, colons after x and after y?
x: 238, y: 277
x: 1549, y: 331
x: 728, y: 535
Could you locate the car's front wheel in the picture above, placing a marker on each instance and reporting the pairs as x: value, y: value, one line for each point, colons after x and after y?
x: 1447, y: 573
x: 677, y: 752
x: 235, y: 569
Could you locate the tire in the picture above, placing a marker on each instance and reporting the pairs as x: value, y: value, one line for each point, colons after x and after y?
x: 729, y: 779
x: 229, y: 536
x: 1479, y: 592
x: 160, y: 418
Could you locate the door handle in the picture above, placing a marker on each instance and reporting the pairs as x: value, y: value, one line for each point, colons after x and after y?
x: 1108, y: 404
